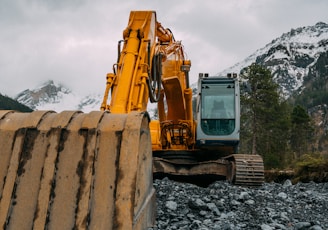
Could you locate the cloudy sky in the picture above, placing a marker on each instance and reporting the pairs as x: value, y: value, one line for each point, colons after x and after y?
x: 75, y: 41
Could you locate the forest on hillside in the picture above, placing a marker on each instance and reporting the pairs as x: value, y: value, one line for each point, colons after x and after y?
x: 281, y: 131
x: 7, y: 103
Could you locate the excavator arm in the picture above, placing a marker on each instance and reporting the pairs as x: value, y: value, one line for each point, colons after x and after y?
x: 151, y: 59
x: 128, y: 83
x: 136, y: 76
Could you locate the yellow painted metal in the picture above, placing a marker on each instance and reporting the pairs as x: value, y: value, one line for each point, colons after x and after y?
x: 75, y: 170
x: 145, y: 40
x: 174, y: 99
x: 161, y: 107
x: 109, y: 83
x: 128, y: 85
x: 155, y: 130
x: 188, y: 102
x: 133, y: 64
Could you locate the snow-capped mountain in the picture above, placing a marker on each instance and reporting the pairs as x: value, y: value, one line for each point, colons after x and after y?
x: 290, y: 57
x: 293, y: 58
x: 55, y: 96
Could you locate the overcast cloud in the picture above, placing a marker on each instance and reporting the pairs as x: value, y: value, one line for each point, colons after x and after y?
x: 75, y: 41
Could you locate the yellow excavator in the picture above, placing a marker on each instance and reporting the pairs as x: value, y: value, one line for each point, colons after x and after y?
x: 72, y: 170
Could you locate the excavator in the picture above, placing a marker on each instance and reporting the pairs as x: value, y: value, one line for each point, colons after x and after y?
x: 74, y: 170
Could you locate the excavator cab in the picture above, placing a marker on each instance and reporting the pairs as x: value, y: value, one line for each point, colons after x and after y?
x: 218, y: 113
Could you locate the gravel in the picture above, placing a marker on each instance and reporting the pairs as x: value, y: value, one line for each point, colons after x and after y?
x: 225, y: 206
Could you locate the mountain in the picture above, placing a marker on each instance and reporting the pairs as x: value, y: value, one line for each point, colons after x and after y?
x: 55, y: 96
x: 297, y: 60
x: 290, y: 57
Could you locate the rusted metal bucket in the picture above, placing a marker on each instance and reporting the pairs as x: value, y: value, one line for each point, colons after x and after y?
x: 74, y: 170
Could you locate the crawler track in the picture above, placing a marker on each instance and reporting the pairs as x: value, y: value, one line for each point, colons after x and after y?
x: 248, y: 170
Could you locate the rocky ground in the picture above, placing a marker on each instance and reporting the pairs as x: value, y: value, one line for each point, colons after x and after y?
x: 224, y: 206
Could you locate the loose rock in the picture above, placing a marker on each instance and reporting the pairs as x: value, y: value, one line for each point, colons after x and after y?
x: 225, y: 206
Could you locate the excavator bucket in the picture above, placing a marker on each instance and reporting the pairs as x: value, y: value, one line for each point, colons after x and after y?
x: 72, y: 170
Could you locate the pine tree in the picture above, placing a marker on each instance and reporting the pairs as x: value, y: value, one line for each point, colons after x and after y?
x: 7, y: 103
x: 265, y: 120
x: 301, y: 132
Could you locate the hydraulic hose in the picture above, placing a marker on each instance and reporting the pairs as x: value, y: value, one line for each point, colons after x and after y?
x: 154, y: 82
